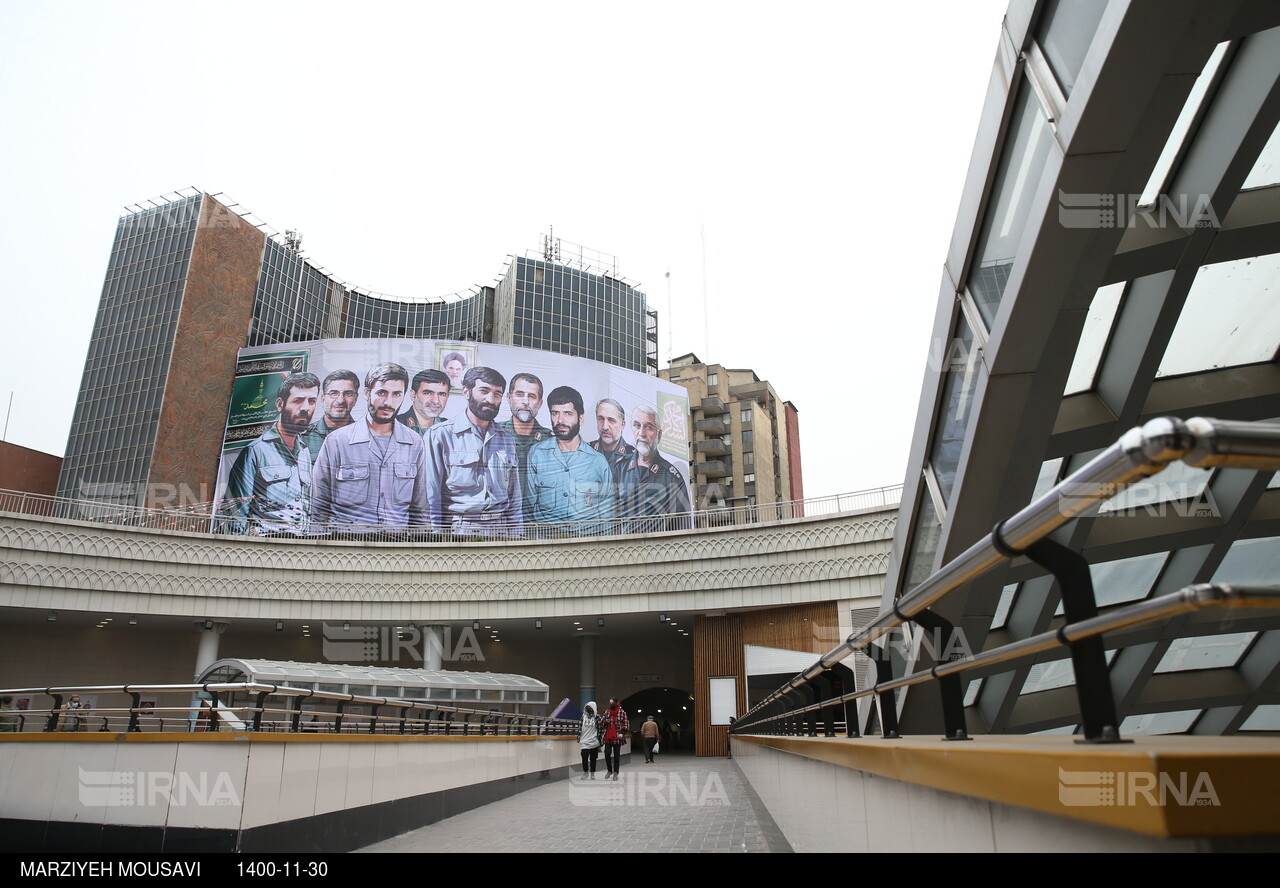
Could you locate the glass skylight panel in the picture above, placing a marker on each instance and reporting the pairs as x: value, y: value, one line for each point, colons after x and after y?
x: 1250, y: 561
x: 1179, y: 483
x: 924, y: 543
x: 1054, y: 674
x: 1266, y: 170
x: 1066, y: 33
x: 1264, y: 718
x: 957, y: 409
x: 1049, y: 471
x: 1002, y: 609
x: 1229, y: 318
x: 1065, y: 729
x: 1093, y: 338
x: 1126, y: 579
x: 1047, y: 676
x: 1173, y: 146
x: 1205, y: 652
x: 1160, y: 723
x: 1021, y: 163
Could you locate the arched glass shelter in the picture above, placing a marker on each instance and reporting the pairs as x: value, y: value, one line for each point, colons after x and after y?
x: 466, y: 689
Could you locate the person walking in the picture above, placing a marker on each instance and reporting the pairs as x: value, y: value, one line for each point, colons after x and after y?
x: 589, y: 741
x: 616, y: 725
x: 70, y: 713
x: 650, y: 734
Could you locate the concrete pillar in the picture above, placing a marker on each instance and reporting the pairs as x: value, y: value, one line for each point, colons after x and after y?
x: 586, y: 669
x: 207, y: 652
x: 433, y: 647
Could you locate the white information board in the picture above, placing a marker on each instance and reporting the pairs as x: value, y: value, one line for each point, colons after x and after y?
x: 724, y: 700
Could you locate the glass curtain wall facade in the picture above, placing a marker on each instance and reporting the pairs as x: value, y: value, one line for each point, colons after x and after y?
x: 167, y: 292
x: 108, y: 456
x: 375, y: 317
x: 573, y: 311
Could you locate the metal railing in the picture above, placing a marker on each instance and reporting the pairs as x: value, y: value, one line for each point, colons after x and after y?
x: 249, y: 706
x: 802, y: 719
x: 211, y: 518
x: 1138, y: 454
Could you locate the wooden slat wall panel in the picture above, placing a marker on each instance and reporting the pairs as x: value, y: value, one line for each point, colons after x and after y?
x: 801, y: 627
x: 717, y: 652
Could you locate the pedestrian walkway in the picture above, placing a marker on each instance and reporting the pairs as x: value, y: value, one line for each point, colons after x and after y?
x: 679, y: 803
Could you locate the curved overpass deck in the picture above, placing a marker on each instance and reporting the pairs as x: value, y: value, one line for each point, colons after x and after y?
x: 60, y: 564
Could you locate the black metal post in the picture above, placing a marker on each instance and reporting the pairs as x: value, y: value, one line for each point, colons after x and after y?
x: 948, y: 685
x: 888, y: 707
x: 259, y: 706
x: 1088, y: 656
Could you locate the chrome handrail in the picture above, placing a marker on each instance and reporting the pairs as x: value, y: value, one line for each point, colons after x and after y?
x: 1191, y: 598
x: 1140, y: 453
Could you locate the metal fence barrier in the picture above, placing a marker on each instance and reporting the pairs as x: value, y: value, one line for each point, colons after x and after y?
x: 251, y: 706
x: 213, y: 517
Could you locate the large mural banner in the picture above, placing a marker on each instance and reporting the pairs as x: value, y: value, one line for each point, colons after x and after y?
x: 370, y: 435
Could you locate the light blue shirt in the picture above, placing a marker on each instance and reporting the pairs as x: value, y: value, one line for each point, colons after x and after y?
x: 573, y: 486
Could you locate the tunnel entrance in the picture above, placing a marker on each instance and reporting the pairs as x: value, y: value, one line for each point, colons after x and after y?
x: 671, y: 708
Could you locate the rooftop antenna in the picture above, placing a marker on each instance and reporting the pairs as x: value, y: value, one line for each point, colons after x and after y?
x: 706, y: 322
x: 669, y: 317
x: 5, y: 436
x: 551, y: 246
x: 293, y: 240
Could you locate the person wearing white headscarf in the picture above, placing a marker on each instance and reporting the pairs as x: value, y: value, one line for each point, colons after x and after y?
x: 589, y: 741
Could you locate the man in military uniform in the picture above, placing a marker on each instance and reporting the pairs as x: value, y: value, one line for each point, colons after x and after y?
x: 653, y: 493
x: 428, y: 396
x: 338, y: 396
x: 570, y: 482
x: 473, y: 481
x: 611, y: 420
x: 370, y: 474
x: 270, y: 481
x: 525, y: 400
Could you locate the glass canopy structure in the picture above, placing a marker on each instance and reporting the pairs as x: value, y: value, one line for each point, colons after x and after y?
x: 1116, y: 258
x: 457, y: 688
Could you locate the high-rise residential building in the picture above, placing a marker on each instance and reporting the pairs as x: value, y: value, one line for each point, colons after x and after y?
x: 191, y: 280
x: 746, y: 438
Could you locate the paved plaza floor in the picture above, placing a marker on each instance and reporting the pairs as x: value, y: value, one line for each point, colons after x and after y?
x: 681, y: 803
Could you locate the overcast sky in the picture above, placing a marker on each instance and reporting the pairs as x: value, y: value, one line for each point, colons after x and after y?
x: 813, y: 153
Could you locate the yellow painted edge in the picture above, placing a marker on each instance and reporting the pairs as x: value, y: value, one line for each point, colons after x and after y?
x: 1027, y: 772
x: 272, y: 737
